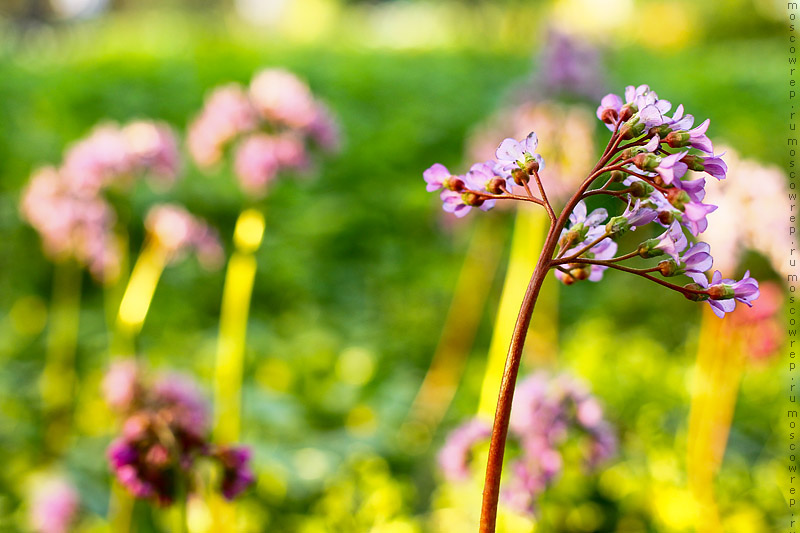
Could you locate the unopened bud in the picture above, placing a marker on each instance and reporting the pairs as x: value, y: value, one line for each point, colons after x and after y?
x: 721, y: 292
x: 520, y: 176
x: 531, y: 166
x: 581, y: 273
x: 617, y: 176
x: 626, y: 112
x: 668, y: 268
x: 454, y: 183
x: 567, y: 279
x: 666, y: 218
x: 662, y: 130
x: 470, y: 198
x: 646, y: 161
x: 640, y: 189
x: 609, y: 115
x: 617, y: 225
x: 496, y: 185
x: 694, y: 162
x: 648, y: 249
x: 677, y: 139
x: 678, y: 198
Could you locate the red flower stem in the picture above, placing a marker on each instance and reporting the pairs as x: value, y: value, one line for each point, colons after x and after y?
x: 502, y: 416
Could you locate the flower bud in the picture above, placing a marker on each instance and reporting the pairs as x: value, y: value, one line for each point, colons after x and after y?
x: 454, y: 183
x: 496, y: 185
x: 617, y: 226
x: 721, y: 292
x: 470, y: 198
x: 567, y: 279
x: 668, y: 268
x: 666, y: 218
x: 609, y: 115
x: 677, y: 139
x: 646, y: 161
x: 648, y: 249
x: 626, y: 112
x: 617, y: 176
x: 662, y: 131
x: 640, y: 189
x: 520, y: 176
x: 694, y: 162
x: 531, y: 166
x: 631, y: 129
x: 580, y: 273
x: 678, y: 198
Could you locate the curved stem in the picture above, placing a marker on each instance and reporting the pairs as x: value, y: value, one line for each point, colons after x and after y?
x: 491, y: 489
x: 494, y: 466
x: 585, y: 249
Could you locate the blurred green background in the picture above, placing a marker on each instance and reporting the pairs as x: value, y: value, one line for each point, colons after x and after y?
x: 357, y: 269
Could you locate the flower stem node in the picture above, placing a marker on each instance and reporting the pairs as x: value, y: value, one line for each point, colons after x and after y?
x: 678, y: 139
x: 695, y: 296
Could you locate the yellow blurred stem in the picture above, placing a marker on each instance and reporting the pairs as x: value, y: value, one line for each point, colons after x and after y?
x: 120, y: 509
x: 137, y: 297
x: 469, y: 298
x: 718, y: 373
x: 233, y: 325
x: 57, y: 382
x: 114, y: 286
x: 529, y: 233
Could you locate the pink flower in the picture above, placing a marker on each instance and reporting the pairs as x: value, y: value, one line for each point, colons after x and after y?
x: 227, y: 113
x: 179, y: 232
x: 280, y: 96
x: 54, y: 506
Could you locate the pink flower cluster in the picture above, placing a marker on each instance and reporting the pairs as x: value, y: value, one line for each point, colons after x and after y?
x: 164, y: 433
x: 179, y: 232
x: 547, y: 413
x: 271, y: 124
x: 66, y: 205
x: 55, y: 504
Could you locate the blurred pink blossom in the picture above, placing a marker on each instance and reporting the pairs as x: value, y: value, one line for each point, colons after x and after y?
x: 227, y: 113
x: 752, y: 201
x: 54, y: 506
x: 180, y: 232
x: 282, y: 97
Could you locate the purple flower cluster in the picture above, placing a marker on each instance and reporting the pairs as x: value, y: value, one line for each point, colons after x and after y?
x: 652, y: 173
x: 66, y: 205
x: 271, y: 123
x: 164, y: 434
x: 547, y: 414
x: 179, y: 232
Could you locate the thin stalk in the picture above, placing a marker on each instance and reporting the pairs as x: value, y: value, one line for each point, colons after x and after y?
x: 234, y: 314
x: 57, y: 382
x: 494, y: 466
x: 137, y: 297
